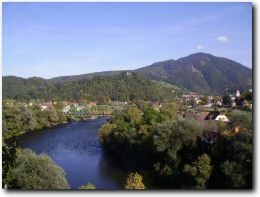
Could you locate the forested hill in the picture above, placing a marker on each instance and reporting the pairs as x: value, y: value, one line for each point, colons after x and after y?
x: 124, y: 86
x: 200, y: 72
x: 85, y: 76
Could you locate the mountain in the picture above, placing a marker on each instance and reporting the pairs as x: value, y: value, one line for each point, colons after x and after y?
x: 124, y: 86
x: 201, y: 72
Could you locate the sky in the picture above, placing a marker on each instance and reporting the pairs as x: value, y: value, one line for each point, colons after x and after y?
x: 56, y: 39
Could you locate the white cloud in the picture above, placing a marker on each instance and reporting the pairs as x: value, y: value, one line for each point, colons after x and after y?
x: 199, y: 47
x: 222, y: 39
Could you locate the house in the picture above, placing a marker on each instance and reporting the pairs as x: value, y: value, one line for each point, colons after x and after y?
x: 210, y: 105
x: 80, y: 107
x: 222, y: 117
x: 92, y: 104
x: 66, y: 109
x: 200, y: 117
x: 156, y: 105
x: 233, y: 103
x: 219, y: 103
x: 212, y: 115
x: 238, y: 93
x: 245, y: 103
x: 46, y: 105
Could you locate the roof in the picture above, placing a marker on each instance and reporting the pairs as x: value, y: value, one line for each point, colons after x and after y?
x: 212, y: 115
x: 201, y: 116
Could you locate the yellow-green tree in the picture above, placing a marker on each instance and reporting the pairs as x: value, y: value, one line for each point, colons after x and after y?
x: 88, y: 186
x: 134, y: 181
x: 200, y: 171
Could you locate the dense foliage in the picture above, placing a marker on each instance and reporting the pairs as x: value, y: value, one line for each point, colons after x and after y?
x: 123, y: 87
x: 172, y: 152
x: 18, y: 119
x: 33, y: 171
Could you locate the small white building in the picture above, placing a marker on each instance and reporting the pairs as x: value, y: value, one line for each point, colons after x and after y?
x: 219, y: 103
x: 233, y: 103
x: 44, y: 107
x: 80, y: 107
x: 66, y: 109
x: 238, y: 93
x: 222, y: 118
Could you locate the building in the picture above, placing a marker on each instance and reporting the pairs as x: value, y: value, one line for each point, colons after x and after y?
x: 238, y: 93
x: 66, y: 109
x: 92, y: 104
x: 222, y: 117
x: 46, y: 105
x: 80, y: 107
x: 156, y: 105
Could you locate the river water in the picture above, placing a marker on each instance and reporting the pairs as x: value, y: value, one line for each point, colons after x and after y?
x: 75, y: 148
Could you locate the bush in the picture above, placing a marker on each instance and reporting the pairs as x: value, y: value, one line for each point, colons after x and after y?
x: 134, y: 181
x: 33, y: 171
x: 88, y: 186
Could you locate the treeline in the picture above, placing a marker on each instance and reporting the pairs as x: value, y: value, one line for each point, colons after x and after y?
x: 18, y: 119
x: 172, y: 152
x: 123, y: 87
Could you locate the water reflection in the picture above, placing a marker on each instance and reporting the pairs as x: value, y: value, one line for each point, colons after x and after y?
x: 75, y: 147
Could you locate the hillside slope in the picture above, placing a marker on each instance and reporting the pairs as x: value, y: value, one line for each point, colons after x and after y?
x: 123, y: 86
x: 202, y: 72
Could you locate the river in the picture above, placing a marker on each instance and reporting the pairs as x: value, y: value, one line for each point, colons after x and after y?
x: 75, y: 148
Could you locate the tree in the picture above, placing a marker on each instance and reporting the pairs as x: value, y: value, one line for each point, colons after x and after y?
x: 226, y: 100
x: 204, y: 100
x: 33, y: 171
x: 88, y: 186
x: 174, y: 143
x: 200, y: 171
x: 248, y: 96
x: 233, y: 174
x: 168, y: 111
x: 242, y: 119
x: 134, y: 181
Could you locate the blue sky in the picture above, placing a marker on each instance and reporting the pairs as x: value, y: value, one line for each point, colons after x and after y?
x: 56, y: 39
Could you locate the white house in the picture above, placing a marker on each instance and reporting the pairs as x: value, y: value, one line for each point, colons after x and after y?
x: 66, y: 109
x: 222, y: 118
x: 238, y: 93
x: 44, y: 107
x: 80, y: 107
x: 219, y: 103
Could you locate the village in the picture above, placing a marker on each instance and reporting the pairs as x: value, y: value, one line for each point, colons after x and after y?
x: 190, y: 105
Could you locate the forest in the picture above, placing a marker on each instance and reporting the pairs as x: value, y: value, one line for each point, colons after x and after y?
x: 170, y: 152
x: 123, y: 87
x: 160, y: 148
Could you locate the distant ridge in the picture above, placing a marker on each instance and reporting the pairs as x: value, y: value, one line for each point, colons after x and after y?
x: 202, y: 72
x: 84, y: 76
x: 199, y: 72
